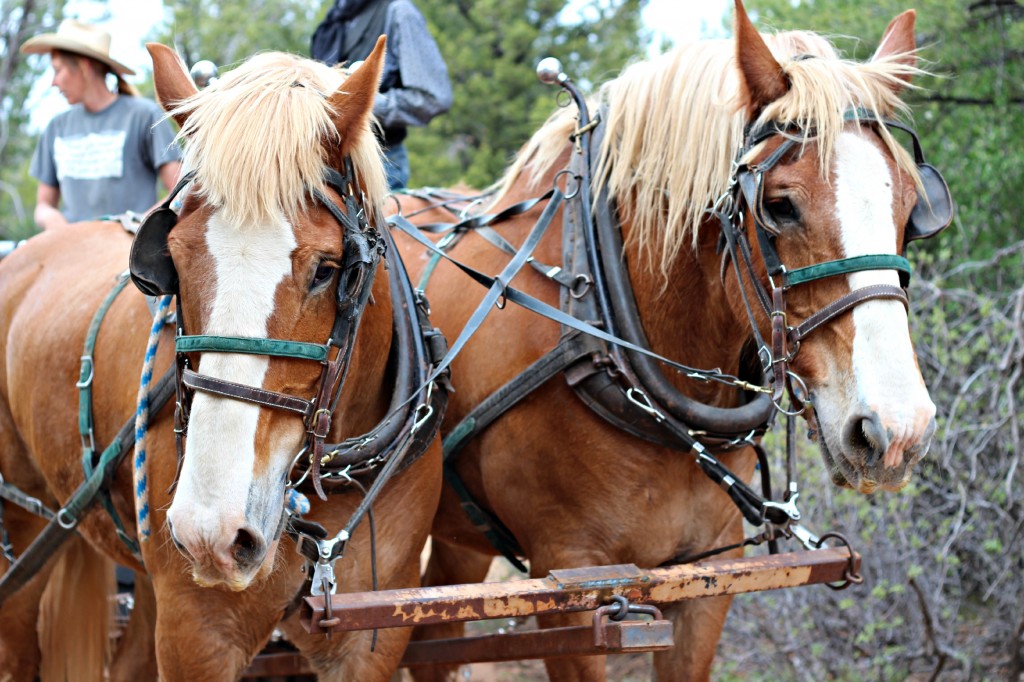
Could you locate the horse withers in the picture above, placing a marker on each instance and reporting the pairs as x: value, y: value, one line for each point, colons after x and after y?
x: 750, y: 205
x: 284, y: 300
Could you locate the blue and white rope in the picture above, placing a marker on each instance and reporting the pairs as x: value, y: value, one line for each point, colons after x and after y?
x: 139, y: 476
x: 296, y: 502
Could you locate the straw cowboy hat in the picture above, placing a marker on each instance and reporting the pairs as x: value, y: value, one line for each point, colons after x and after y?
x: 80, y: 38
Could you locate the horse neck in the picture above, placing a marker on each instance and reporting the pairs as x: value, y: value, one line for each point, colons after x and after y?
x: 687, y: 317
x: 367, y: 390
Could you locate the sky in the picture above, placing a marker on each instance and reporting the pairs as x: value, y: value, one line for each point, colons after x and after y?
x: 129, y: 22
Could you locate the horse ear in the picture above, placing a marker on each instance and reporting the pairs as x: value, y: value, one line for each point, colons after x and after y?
x: 763, y: 79
x: 172, y: 82
x: 352, y: 104
x: 898, y: 40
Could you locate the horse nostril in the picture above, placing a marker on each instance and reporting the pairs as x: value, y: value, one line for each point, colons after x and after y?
x: 176, y: 542
x: 866, y: 435
x: 247, y: 548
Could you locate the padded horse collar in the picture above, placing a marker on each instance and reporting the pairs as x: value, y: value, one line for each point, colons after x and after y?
x: 651, y: 400
x: 417, y: 345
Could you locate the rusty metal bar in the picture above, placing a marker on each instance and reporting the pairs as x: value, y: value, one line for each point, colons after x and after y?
x: 583, y: 589
x: 551, y: 643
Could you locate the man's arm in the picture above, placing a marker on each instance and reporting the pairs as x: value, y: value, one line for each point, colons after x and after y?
x: 47, y: 215
x: 425, y: 91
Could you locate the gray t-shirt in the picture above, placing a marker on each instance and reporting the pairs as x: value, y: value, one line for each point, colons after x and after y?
x: 107, y: 162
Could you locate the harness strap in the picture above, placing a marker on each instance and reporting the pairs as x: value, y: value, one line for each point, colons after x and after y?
x: 66, y: 519
x: 85, y: 413
x: 503, y: 399
x: 454, y: 232
x: 851, y: 264
x: 544, y: 310
x: 251, y: 394
x: 237, y: 344
x: 496, y: 532
x: 34, y: 505
x: 552, y: 272
x: 483, y: 415
x: 88, y: 372
x: 30, y: 504
x: 845, y: 303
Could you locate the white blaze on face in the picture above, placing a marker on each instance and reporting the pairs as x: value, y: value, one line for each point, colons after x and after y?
x: 216, y: 475
x: 883, y: 363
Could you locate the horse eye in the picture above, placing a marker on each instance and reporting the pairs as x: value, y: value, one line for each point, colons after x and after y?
x: 324, y: 273
x: 782, y: 210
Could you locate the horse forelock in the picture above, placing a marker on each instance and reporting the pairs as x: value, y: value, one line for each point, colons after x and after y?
x: 258, y: 138
x: 675, y: 123
x: 823, y: 89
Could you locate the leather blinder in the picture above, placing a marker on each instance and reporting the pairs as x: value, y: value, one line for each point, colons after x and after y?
x: 150, y: 264
x: 933, y: 211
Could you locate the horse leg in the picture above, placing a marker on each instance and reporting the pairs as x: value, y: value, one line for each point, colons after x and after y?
x: 696, y: 627
x: 19, y: 641
x: 580, y: 669
x: 350, y: 655
x: 359, y: 655
x: 135, y: 658
x: 448, y: 565
x: 206, y: 633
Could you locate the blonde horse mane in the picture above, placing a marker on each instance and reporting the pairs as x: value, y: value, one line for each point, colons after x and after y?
x: 674, y: 125
x: 256, y: 138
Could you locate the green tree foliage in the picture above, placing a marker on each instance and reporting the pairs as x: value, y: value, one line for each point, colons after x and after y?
x: 492, y: 48
x: 19, y: 20
x: 228, y: 32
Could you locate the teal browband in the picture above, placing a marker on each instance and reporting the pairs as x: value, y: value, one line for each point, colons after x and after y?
x: 236, y: 344
x: 852, y: 264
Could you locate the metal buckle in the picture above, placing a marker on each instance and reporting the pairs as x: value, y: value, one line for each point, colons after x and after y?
x: 423, y: 411
x: 313, y: 422
x: 808, y: 539
x: 580, y: 286
x: 87, y: 382
x: 88, y: 441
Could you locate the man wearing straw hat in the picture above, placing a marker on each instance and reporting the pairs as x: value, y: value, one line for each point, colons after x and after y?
x: 102, y: 157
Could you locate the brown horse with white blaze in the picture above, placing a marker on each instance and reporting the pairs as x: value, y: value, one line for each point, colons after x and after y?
x: 829, y: 185
x: 285, y: 177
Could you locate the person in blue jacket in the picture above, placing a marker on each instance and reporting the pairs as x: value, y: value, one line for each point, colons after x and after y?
x: 414, y: 86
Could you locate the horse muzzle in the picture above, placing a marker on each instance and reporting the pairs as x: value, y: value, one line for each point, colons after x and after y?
x: 234, y: 562
x: 872, y: 453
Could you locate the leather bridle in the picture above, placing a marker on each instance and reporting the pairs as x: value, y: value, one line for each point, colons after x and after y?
x: 745, y: 195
